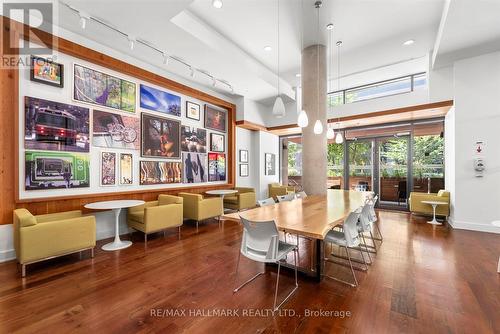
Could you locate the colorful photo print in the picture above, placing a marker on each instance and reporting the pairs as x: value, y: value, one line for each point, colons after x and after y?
x: 244, y: 170
x: 46, y: 72
x: 55, y: 126
x: 160, y: 137
x: 193, y: 139
x: 195, y: 167
x: 270, y: 163
x: 126, y: 169
x: 244, y: 156
x: 158, y: 100
x: 95, y: 87
x: 116, y: 131
x: 217, y: 142
x: 216, y: 167
x: 108, y: 169
x: 215, y: 119
x: 53, y: 170
x: 160, y: 172
x: 193, y: 110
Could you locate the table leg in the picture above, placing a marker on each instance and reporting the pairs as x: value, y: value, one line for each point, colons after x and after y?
x: 117, y: 243
x: 319, y: 260
x: 434, y: 221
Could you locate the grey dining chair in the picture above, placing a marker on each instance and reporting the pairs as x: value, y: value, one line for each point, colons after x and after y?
x: 260, y: 243
x: 266, y: 202
x: 301, y: 194
x: 348, y: 238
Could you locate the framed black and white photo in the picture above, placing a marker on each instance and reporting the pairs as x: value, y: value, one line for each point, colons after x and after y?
x: 244, y: 170
x: 270, y: 163
x: 244, y: 156
x: 217, y: 142
x: 193, y: 110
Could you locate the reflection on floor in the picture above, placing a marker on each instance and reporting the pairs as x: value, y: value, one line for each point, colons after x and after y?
x: 423, y: 279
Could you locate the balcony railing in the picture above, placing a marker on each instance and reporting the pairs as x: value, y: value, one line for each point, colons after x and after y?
x: 375, y: 90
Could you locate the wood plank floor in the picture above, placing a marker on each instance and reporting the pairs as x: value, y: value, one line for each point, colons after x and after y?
x: 424, y: 279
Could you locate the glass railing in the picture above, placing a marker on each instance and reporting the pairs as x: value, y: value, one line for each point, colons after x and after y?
x: 375, y: 90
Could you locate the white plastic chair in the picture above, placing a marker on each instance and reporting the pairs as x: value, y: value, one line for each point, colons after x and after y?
x: 286, y: 198
x: 365, y: 224
x: 260, y: 243
x: 348, y: 238
x: 373, y: 216
x: 266, y: 202
x: 301, y: 194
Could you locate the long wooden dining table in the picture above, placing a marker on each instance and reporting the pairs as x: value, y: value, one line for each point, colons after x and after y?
x: 311, y: 218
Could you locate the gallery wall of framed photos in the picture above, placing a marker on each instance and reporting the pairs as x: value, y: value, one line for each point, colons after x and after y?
x: 131, y: 139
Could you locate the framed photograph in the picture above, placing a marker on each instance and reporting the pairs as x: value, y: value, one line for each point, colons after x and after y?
x: 244, y: 156
x: 160, y: 137
x: 215, y: 119
x: 55, y: 126
x: 193, y: 139
x: 158, y: 100
x: 217, y: 142
x: 160, y: 172
x: 216, y: 167
x: 95, y: 87
x: 270, y: 163
x: 195, y: 167
x: 56, y: 170
x: 126, y: 169
x: 244, y: 170
x: 193, y: 110
x: 108, y: 169
x: 115, y: 131
x: 47, y: 72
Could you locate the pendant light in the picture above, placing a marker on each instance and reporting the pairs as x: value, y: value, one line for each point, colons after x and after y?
x: 339, y: 139
x: 330, y: 134
x: 318, y: 126
x: 302, y: 119
x: 279, y: 106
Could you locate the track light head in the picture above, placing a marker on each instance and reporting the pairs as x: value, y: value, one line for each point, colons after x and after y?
x: 84, y: 17
x: 166, y: 59
x: 131, y: 42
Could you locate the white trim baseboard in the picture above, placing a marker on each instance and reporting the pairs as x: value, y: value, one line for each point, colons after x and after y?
x: 7, y: 255
x: 461, y: 225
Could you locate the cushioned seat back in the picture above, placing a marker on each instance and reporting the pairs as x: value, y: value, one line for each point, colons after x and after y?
x: 169, y: 199
x: 443, y: 193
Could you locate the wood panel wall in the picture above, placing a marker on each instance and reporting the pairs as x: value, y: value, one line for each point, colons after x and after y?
x: 9, y: 127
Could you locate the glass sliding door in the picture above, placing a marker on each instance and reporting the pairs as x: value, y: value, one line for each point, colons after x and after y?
x: 428, y: 157
x: 360, y: 163
x: 335, y: 167
x: 393, y: 170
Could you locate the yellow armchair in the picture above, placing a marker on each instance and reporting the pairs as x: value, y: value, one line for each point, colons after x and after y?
x: 37, y: 238
x: 276, y: 189
x: 245, y: 198
x: 155, y: 216
x: 198, y: 208
x: 416, y: 205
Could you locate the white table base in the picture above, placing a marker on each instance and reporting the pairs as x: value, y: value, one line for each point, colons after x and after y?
x: 117, y: 243
x: 434, y: 221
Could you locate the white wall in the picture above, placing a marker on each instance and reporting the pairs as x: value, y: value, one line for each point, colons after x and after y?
x: 245, y: 140
x: 477, y: 117
x: 449, y: 157
x: 267, y: 143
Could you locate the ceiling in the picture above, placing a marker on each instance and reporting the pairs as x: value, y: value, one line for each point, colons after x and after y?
x: 229, y: 42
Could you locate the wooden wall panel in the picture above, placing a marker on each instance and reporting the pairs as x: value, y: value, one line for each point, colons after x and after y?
x: 9, y: 128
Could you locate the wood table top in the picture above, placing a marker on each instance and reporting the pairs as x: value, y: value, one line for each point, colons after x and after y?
x: 312, y: 216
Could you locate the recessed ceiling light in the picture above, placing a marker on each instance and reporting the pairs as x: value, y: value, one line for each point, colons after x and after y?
x: 408, y: 42
x: 217, y: 4
x: 267, y: 48
x: 298, y: 75
x: 329, y: 26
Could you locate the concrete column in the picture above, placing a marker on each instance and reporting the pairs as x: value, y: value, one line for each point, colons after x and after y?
x: 314, y: 87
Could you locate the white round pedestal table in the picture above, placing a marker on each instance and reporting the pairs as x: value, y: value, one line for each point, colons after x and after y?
x: 116, y: 207
x: 434, y: 205
x: 221, y: 193
x: 497, y: 224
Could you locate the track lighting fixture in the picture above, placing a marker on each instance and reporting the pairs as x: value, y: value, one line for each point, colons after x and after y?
x: 217, y: 4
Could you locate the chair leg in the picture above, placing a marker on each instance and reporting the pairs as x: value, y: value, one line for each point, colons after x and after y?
x: 145, y: 238
x: 363, y: 257
x: 164, y: 233
x: 366, y: 248
x: 277, y: 284
x: 23, y: 270
x: 92, y: 252
x: 379, y: 233
x: 197, y: 222
x: 352, y: 269
x: 248, y: 281
x: 236, y: 274
x: 179, y: 233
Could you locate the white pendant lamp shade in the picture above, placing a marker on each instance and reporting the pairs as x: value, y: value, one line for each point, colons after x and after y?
x: 330, y: 134
x: 339, y: 139
x: 303, y: 120
x: 279, y: 107
x: 318, y: 127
